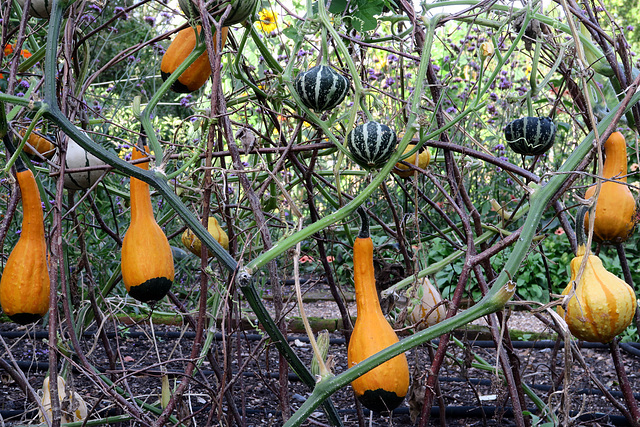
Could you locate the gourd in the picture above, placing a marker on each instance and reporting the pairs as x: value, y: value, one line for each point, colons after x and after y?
x: 423, y: 313
x: 602, y: 305
x: 77, y: 158
x: 371, y: 144
x: 240, y: 11
x: 193, y: 244
x: 39, y: 8
x: 40, y: 143
x: 24, y: 286
x: 616, y: 207
x: 405, y: 171
x: 384, y: 387
x: 321, y: 88
x: 73, y: 406
x: 194, y: 77
x: 147, y: 260
x: 530, y: 136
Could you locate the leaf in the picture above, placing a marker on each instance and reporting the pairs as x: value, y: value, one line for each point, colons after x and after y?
x: 363, y: 17
x: 292, y: 33
x: 337, y: 6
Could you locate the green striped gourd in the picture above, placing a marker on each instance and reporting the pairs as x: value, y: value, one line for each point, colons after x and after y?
x: 371, y: 144
x: 76, y: 158
x: 530, y: 136
x: 241, y: 10
x: 321, y: 88
x: 38, y: 8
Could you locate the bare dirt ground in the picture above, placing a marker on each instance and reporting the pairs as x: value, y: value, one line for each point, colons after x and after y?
x: 471, y: 393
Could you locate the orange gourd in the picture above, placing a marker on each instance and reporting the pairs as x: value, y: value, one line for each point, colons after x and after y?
x: 24, y: 286
x: 616, y: 206
x: 194, y: 77
x: 602, y: 305
x: 40, y: 143
x: 193, y: 243
x: 423, y: 159
x: 384, y: 387
x: 147, y: 261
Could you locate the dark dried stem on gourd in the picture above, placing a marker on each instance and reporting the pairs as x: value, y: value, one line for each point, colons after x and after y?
x: 364, y: 226
x: 581, y: 237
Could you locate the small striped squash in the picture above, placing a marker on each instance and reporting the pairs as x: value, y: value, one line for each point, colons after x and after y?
x: 423, y: 313
x: 321, y: 88
x: 241, y: 10
x: 76, y: 158
x: 530, y: 136
x: 38, y: 8
x: 371, y: 144
x: 194, y: 77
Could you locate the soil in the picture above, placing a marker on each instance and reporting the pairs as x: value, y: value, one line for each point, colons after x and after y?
x: 472, y: 396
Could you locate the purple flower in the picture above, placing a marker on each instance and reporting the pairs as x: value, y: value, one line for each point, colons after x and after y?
x: 120, y: 10
x: 20, y: 94
x: 185, y: 101
x: 630, y: 27
x: 451, y: 110
x: 150, y: 20
x: 95, y: 7
x: 24, y: 84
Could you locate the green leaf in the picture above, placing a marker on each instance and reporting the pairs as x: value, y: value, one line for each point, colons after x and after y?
x: 363, y: 17
x: 337, y: 6
x: 292, y: 33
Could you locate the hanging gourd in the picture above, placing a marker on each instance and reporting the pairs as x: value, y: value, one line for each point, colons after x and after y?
x: 384, y: 387
x: 530, y: 136
x: 147, y: 261
x: 194, y: 77
x: 241, y: 10
x: 79, y: 158
x: 193, y: 244
x: 321, y: 88
x: 423, y: 159
x: 74, y: 408
x: 616, y: 207
x: 429, y: 309
x: 372, y: 144
x: 24, y: 286
x: 40, y: 143
x: 601, y: 305
x: 38, y: 8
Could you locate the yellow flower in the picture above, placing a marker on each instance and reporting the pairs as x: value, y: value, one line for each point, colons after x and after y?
x: 268, y: 20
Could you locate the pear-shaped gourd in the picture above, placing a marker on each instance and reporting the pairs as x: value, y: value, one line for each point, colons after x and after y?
x: 194, y: 245
x: 24, y: 286
x: 384, y: 387
x: 428, y: 311
x: 422, y: 161
x: 601, y: 305
x: 616, y: 206
x: 147, y: 260
x: 73, y: 406
x: 37, y: 142
x: 194, y: 77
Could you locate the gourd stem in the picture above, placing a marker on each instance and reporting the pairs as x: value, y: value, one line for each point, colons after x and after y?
x: 581, y: 237
x: 20, y: 166
x: 364, y: 227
